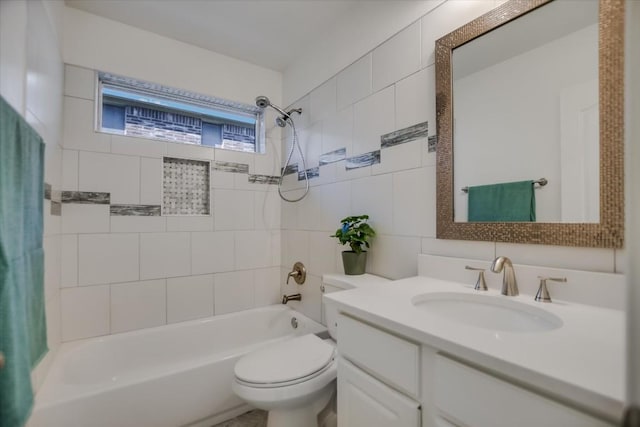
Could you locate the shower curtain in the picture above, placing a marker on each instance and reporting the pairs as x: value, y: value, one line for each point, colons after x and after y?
x: 23, y: 339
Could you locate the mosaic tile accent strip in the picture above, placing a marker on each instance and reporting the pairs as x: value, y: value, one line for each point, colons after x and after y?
x: 47, y: 191
x: 230, y: 167
x: 134, y: 210
x: 366, y: 159
x: 432, y: 144
x: 186, y: 187
x: 407, y: 134
x: 56, y: 208
x: 290, y: 169
x: 86, y: 197
x: 311, y: 173
x: 264, y: 179
x: 333, y: 156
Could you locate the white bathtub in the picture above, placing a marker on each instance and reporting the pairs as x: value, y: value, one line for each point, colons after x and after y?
x: 169, y: 376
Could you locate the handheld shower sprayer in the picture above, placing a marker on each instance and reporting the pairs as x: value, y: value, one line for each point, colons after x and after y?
x: 282, y: 120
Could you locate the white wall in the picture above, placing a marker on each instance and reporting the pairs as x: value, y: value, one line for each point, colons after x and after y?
x: 399, y: 193
x: 122, y: 273
x: 31, y: 80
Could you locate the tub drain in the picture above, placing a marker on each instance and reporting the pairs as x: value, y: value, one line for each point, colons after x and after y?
x: 294, y: 323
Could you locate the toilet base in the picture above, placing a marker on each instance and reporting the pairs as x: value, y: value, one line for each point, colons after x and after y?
x: 304, y: 415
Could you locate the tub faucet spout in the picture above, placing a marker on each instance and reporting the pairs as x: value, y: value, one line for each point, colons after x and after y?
x: 292, y: 297
x: 509, y: 283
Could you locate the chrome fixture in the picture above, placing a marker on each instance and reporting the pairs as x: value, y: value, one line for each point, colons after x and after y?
x: 541, y: 182
x: 294, y: 322
x: 509, y: 283
x: 292, y: 297
x: 299, y: 273
x: 543, y: 293
x: 481, y: 285
x: 282, y: 120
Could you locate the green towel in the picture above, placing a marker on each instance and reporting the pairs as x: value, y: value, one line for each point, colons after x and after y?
x: 510, y: 202
x: 23, y: 335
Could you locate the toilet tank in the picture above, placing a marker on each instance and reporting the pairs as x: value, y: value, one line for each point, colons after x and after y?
x: 342, y: 282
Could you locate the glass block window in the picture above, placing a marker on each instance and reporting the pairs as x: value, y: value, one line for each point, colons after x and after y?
x: 186, y: 188
x: 136, y: 108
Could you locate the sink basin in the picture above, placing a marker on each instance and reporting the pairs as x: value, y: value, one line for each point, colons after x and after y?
x: 487, y: 312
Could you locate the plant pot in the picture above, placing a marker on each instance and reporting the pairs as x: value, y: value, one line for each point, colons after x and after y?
x: 354, y: 263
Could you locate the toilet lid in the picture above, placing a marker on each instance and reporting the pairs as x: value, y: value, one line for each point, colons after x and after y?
x: 285, y: 361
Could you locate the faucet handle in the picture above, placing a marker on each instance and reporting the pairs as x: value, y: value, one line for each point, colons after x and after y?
x: 481, y: 284
x: 543, y: 293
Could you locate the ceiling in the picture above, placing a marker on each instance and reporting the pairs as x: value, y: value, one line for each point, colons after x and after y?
x: 269, y: 33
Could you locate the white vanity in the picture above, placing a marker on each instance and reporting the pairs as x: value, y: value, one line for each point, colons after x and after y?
x: 411, y: 354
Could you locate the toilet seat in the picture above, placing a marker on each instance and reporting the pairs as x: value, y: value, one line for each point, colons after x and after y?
x: 286, y: 363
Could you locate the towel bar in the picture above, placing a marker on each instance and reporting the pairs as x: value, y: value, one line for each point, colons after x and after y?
x: 541, y: 182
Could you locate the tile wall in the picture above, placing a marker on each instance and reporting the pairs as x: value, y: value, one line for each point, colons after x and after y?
x: 379, y: 114
x: 125, y: 266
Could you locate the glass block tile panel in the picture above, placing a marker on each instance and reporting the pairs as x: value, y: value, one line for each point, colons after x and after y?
x: 185, y: 187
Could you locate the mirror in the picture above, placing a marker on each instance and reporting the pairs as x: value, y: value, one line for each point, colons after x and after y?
x: 533, y: 91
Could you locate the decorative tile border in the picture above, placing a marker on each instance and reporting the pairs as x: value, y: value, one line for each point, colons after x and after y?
x: 311, y: 173
x: 432, y: 144
x: 407, y: 134
x: 264, y: 179
x: 134, y: 210
x: 366, y: 159
x: 290, y: 169
x: 230, y: 167
x: 47, y: 191
x: 86, y: 197
x: 333, y: 156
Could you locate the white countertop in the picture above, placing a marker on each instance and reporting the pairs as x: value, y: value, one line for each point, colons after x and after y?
x: 582, y: 362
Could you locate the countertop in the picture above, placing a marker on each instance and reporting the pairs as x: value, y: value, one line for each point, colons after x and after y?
x: 581, y: 363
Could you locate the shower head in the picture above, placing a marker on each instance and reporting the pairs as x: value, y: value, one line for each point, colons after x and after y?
x: 263, y: 102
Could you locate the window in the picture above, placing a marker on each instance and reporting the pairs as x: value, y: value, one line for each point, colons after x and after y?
x: 135, y: 108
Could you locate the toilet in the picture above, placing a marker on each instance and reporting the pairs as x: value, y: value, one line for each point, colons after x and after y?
x: 295, y: 379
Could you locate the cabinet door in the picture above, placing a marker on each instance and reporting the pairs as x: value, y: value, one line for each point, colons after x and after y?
x: 364, y: 401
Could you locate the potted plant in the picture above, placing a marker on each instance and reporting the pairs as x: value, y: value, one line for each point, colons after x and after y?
x: 355, y: 232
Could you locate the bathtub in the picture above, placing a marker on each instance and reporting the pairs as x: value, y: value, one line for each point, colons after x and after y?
x: 169, y: 376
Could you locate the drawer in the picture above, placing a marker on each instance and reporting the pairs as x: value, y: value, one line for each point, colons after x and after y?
x: 391, y: 359
x: 469, y: 397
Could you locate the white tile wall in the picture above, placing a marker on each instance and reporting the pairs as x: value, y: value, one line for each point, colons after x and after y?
x: 233, y: 209
x: 189, y: 298
x: 111, y: 173
x: 337, y: 131
x: 397, y: 57
x: 165, y: 255
x: 372, y: 117
x: 414, y: 207
x: 84, y: 312
x: 322, y: 253
x: 107, y: 258
x: 79, y: 82
x: 414, y: 100
x: 267, y: 210
x: 79, y: 131
x: 69, y: 260
x: 127, y: 300
x: 69, y: 170
x: 150, y: 181
x: 322, y: 100
x: 354, y: 82
x: 138, y: 224
x: 400, y: 157
x: 137, y: 146
x: 85, y: 218
x: 234, y: 291
x: 369, y: 196
x: 266, y: 283
x: 253, y: 249
x: 212, y: 252
x: 189, y: 223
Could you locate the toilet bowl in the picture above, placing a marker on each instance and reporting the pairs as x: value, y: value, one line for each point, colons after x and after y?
x: 295, y: 379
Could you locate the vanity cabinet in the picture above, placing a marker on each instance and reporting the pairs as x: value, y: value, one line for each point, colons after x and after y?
x: 378, y: 377
x: 387, y: 380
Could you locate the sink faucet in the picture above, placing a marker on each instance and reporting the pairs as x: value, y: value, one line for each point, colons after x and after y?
x: 509, y: 283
